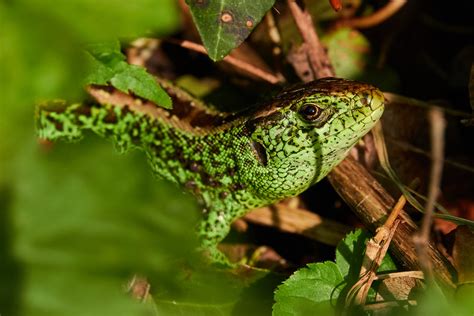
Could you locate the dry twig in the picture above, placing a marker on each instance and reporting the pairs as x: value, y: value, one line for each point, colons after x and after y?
x: 251, y: 69
x: 421, y: 240
x: 377, y: 17
x: 316, y: 54
x: 375, y: 252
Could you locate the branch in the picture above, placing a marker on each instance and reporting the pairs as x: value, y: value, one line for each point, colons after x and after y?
x: 421, y: 240
x: 317, y: 56
x: 375, y: 18
x: 251, y: 69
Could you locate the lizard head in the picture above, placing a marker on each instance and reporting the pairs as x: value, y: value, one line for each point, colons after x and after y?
x: 309, y: 129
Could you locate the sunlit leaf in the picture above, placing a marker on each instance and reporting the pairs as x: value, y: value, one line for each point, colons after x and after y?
x: 309, y: 290
x: 108, y: 65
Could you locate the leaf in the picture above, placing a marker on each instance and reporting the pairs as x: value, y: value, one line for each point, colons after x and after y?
x: 309, y: 290
x: 106, y: 51
x: 225, y: 24
x: 135, y: 79
x: 108, y: 65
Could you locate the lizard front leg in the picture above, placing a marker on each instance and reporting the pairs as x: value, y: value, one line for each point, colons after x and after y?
x: 213, y: 228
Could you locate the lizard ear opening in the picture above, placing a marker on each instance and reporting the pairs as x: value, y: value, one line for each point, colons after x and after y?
x: 260, y: 153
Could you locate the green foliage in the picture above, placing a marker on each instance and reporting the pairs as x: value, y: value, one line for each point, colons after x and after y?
x: 434, y: 302
x: 213, y: 292
x: 316, y: 288
x: 108, y: 65
x: 41, y: 39
x: 77, y: 221
x: 42, y: 55
x: 225, y: 24
x: 310, y: 290
x: 82, y: 229
x: 80, y: 220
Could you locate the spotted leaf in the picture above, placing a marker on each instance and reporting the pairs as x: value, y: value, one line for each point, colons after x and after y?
x: 225, y: 24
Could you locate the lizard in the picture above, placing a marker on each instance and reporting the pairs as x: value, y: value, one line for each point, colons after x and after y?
x: 231, y: 162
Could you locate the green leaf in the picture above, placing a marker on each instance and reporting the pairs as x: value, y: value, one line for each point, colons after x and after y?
x: 107, y: 52
x: 225, y: 24
x: 107, y: 65
x: 309, y: 290
x: 135, y: 79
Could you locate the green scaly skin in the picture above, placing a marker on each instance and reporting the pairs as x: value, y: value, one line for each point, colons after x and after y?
x: 247, y: 160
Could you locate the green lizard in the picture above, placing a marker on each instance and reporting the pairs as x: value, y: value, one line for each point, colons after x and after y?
x: 230, y: 162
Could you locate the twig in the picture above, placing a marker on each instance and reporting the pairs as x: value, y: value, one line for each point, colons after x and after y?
x: 251, y: 69
x: 317, y: 56
x: 421, y: 240
x: 376, y: 18
x: 395, y: 212
x: 380, y: 306
x: 375, y: 252
x: 403, y: 274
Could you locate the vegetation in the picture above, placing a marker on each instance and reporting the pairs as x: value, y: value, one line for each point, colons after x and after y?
x: 87, y: 231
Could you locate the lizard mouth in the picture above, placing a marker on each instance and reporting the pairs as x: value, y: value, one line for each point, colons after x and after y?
x: 259, y: 152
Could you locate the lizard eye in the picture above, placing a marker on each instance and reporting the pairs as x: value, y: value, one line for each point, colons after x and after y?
x: 310, y: 111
